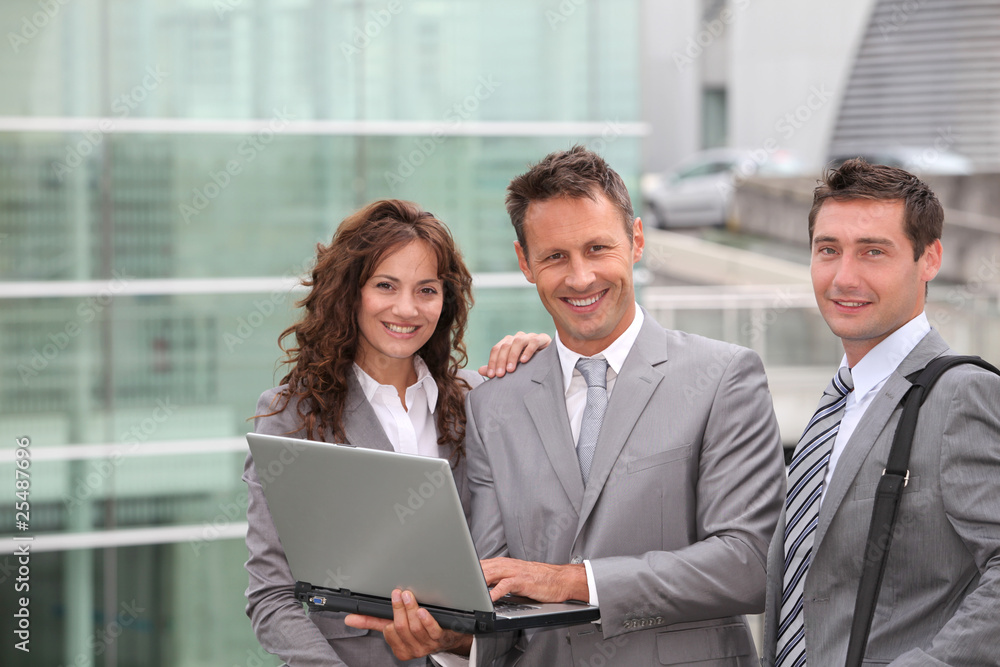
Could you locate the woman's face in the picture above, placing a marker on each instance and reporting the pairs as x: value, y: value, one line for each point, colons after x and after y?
x: 400, y: 307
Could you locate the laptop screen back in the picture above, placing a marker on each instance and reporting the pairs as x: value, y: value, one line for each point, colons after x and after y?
x: 370, y: 521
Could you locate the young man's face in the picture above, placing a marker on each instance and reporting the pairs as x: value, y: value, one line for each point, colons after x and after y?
x: 580, y: 259
x: 866, y: 282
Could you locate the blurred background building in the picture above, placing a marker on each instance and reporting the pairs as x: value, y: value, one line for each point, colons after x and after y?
x: 167, y: 168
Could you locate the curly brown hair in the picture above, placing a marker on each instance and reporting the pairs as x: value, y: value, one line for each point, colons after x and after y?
x: 326, y: 337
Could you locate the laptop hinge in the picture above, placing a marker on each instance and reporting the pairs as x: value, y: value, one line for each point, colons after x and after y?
x: 485, y: 620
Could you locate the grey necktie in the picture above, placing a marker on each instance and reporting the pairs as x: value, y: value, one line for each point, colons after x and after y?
x: 805, y: 487
x: 595, y: 373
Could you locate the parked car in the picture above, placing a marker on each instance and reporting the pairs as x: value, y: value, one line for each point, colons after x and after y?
x: 926, y: 160
x: 699, y: 191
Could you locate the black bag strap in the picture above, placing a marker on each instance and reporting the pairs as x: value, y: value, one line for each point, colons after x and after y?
x: 888, y: 496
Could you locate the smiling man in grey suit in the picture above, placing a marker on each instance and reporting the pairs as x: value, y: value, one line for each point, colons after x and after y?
x: 650, y: 490
x: 875, y: 234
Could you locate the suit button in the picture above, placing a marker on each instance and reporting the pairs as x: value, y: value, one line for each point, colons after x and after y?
x: 576, y: 560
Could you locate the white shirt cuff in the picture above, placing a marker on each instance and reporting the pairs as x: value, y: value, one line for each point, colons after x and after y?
x: 452, y: 660
x: 591, y: 584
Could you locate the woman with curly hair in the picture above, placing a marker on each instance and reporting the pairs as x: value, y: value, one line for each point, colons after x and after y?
x: 376, y: 361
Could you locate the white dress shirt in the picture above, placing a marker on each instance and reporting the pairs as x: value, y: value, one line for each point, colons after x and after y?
x: 413, y: 430
x: 869, y: 375
x: 576, y: 391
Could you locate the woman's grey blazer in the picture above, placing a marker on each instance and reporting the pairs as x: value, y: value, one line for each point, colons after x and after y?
x: 281, y: 624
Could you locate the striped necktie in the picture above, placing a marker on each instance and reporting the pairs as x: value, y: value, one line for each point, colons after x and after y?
x: 595, y: 373
x: 805, y: 487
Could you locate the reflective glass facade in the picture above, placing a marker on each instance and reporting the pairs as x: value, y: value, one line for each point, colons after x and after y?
x: 166, y: 170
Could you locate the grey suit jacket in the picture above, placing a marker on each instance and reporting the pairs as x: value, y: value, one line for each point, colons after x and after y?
x: 279, y: 621
x: 940, y: 597
x: 683, y: 496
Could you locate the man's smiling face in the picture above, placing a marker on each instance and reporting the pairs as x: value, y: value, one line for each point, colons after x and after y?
x: 866, y: 281
x: 580, y: 260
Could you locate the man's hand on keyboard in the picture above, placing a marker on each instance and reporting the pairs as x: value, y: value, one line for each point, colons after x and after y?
x: 539, y: 581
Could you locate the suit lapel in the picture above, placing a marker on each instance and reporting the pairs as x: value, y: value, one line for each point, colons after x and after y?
x: 546, y: 403
x: 872, y: 425
x: 633, y: 390
x: 361, y: 425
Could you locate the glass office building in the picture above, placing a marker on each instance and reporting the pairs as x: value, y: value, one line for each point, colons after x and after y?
x: 166, y: 170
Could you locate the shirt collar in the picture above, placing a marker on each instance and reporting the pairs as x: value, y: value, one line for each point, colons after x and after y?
x: 369, y: 386
x: 885, y: 357
x: 614, y: 353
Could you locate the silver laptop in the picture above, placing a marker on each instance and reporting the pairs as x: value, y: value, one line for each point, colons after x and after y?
x: 356, y: 523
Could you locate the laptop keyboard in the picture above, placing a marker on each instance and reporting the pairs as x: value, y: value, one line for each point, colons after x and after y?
x: 505, y: 604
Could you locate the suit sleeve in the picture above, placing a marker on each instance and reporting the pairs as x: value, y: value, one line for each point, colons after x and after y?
x: 740, y: 492
x: 461, y: 477
x: 970, y: 481
x: 487, y: 529
x: 486, y: 525
x: 278, y: 619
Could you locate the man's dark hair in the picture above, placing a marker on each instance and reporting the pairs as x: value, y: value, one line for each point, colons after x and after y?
x: 923, y: 216
x: 576, y: 173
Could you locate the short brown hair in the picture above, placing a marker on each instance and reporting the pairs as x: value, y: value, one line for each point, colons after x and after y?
x: 576, y: 173
x: 923, y: 216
